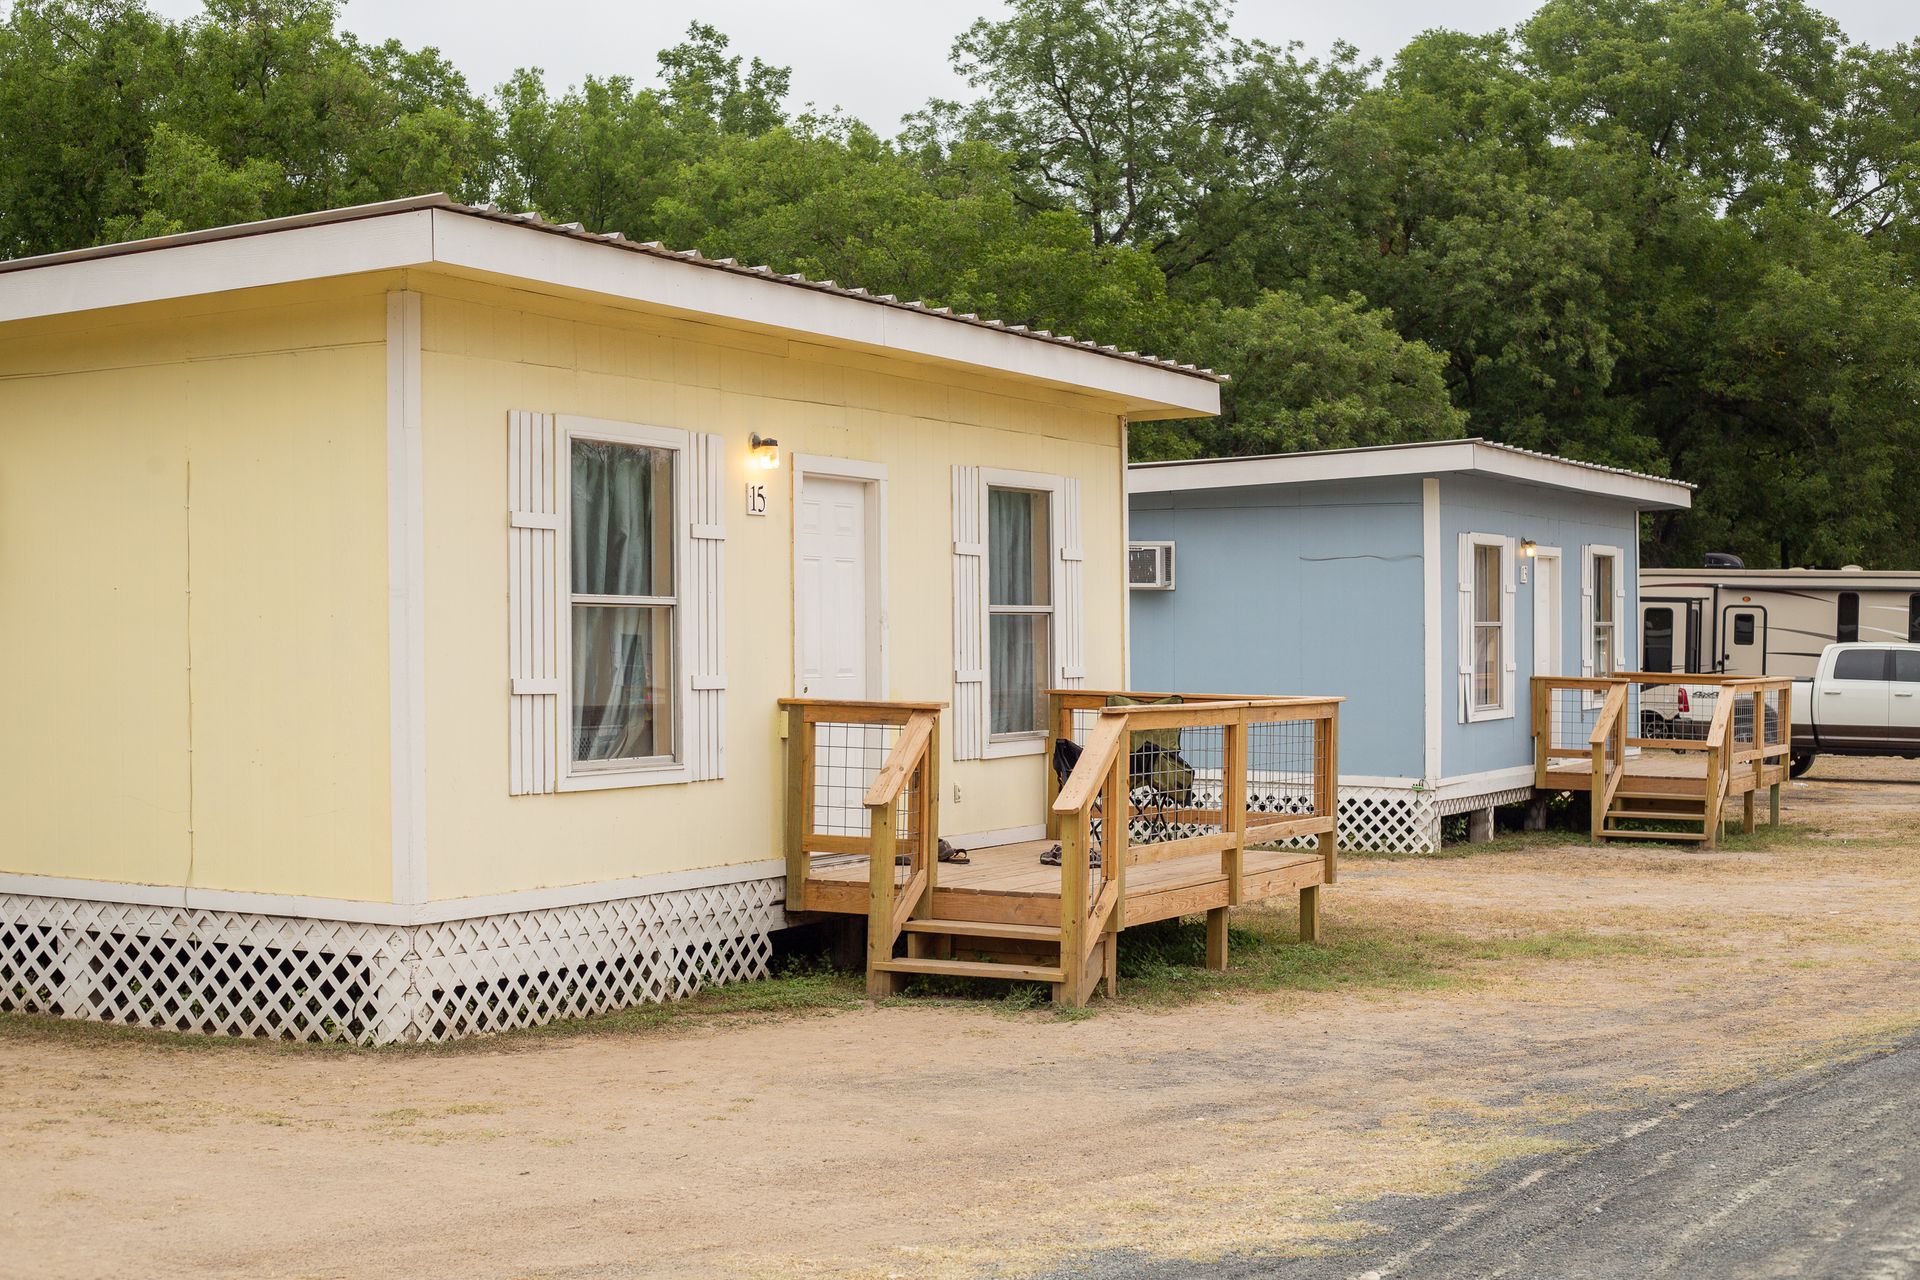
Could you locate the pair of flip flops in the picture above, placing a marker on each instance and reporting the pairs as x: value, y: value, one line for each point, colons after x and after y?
x: 1051, y: 857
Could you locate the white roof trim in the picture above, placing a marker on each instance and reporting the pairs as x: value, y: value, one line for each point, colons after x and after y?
x: 431, y: 231
x: 1473, y: 457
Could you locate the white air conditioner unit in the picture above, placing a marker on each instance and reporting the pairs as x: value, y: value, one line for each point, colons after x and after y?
x: 1150, y: 566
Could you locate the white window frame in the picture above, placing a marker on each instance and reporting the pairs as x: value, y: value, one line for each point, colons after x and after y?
x: 1597, y: 552
x: 656, y: 770
x: 1001, y: 745
x: 1503, y: 709
x: 1165, y: 548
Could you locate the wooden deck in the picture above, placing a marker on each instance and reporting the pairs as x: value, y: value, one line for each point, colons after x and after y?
x: 1588, y: 737
x: 1176, y: 806
x: 1009, y: 884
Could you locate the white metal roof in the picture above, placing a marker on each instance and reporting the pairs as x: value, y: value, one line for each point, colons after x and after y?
x: 435, y: 230
x: 1426, y: 458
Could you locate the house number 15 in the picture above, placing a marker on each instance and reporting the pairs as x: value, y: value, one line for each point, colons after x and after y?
x: 756, y: 498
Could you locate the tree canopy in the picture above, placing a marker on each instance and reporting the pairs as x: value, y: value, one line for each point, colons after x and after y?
x: 1676, y: 235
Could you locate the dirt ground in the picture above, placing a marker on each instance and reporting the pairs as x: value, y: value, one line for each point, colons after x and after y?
x: 951, y: 1140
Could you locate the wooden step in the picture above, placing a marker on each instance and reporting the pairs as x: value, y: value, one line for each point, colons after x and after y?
x: 1657, y: 815
x: 1614, y: 833
x: 1691, y: 797
x: 975, y: 969
x: 985, y: 929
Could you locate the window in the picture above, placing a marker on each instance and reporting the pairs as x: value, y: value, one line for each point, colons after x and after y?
x: 1743, y: 628
x: 1489, y: 601
x: 623, y: 690
x: 1847, y: 625
x: 1656, y: 640
x: 1019, y: 610
x: 1906, y: 666
x: 1913, y: 618
x: 1860, y: 664
x: 1606, y: 625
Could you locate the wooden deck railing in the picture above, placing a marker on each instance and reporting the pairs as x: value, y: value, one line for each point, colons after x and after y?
x: 1158, y: 780
x: 844, y: 759
x: 1751, y: 726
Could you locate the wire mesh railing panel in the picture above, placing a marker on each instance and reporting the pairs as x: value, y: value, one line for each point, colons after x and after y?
x: 909, y: 847
x: 1666, y: 712
x: 1283, y: 761
x: 847, y: 757
x: 1173, y: 782
x: 1571, y: 716
x: 1774, y: 717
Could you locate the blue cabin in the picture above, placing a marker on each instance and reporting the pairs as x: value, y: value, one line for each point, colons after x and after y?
x: 1424, y: 583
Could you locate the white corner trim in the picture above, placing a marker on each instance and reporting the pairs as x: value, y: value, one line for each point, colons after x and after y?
x: 1431, y: 626
x: 355, y: 911
x: 406, y: 606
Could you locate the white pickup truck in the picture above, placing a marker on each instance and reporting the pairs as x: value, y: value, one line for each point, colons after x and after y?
x: 1863, y: 700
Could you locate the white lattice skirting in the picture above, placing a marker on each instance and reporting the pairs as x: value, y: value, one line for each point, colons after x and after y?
x: 281, y: 977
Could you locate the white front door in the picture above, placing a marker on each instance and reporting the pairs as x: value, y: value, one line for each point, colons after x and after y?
x: 831, y: 622
x: 1547, y: 617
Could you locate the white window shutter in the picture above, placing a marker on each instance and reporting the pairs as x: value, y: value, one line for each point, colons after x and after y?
x: 1586, y: 612
x: 1464, y: 620
x: 969, y: 616
x: 1621, y: 632
x: 1072, y: 598
x: 1508, y: 631
x: 534, y: 570
x: 704, y: 596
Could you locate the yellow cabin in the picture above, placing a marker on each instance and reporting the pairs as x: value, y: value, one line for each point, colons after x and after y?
x: 401, y: 603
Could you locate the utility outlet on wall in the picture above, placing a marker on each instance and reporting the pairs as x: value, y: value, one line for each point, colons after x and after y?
x: 956, y: 793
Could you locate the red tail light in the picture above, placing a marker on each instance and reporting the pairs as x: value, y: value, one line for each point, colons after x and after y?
x: 1684, y: 705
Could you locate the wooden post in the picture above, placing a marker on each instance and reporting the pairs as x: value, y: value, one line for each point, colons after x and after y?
x: 799, y: 797
x: 1112, y: 944
x: 1233, y: 803
x: 1773, y: 805
x: 1746, y: 818
x: 1327, y: 786
x: 1310, y: 913
x: 1542, y: 695
x: 1598, y: 812
x: 1217, y: 939
x: 1075, y: 841
x: 930, y: 816
x: 880, y: 899
x: 1116, y: 827
x: 1059, y: 725
x: 1714, y: 782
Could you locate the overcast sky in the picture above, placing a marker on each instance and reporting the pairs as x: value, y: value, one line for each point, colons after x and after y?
x: 879, y: 60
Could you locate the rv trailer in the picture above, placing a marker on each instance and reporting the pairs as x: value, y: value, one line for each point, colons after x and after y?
x: 1768, y: 622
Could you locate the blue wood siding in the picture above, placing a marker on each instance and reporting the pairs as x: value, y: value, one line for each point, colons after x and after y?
x: 1308, y: 589
x: 1552, y: 518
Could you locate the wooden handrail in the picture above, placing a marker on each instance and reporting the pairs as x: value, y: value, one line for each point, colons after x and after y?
x: 1083, y: 784
x: 900, y: 763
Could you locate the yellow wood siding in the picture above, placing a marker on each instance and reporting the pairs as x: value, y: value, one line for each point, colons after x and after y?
x: 489, y: 350
x: 198, y: 485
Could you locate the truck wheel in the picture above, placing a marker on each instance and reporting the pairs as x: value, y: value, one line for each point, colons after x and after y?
x: 1800, y: 764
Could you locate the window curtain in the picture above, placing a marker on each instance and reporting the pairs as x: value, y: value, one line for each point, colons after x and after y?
x: 1017, y: 655
x: 621, y: 546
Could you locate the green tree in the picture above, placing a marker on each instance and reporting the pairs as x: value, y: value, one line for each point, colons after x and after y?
x: 1325, y: 373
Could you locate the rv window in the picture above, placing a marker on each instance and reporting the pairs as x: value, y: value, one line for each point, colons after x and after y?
x: 1656, y: 642
x: 1861, y: 664
x: 1906, y: 666
x: 1019, y: 610
x: 1848, y: 626
x: 1913, y: 618
x: 1743, y: 628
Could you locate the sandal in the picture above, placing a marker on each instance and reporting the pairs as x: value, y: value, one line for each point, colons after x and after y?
x: 1051, y: 858
x: 950, y: 854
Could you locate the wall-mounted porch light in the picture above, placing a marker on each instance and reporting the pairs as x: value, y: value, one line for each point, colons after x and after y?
x: 764, y: 451
x: 1529, y: 548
